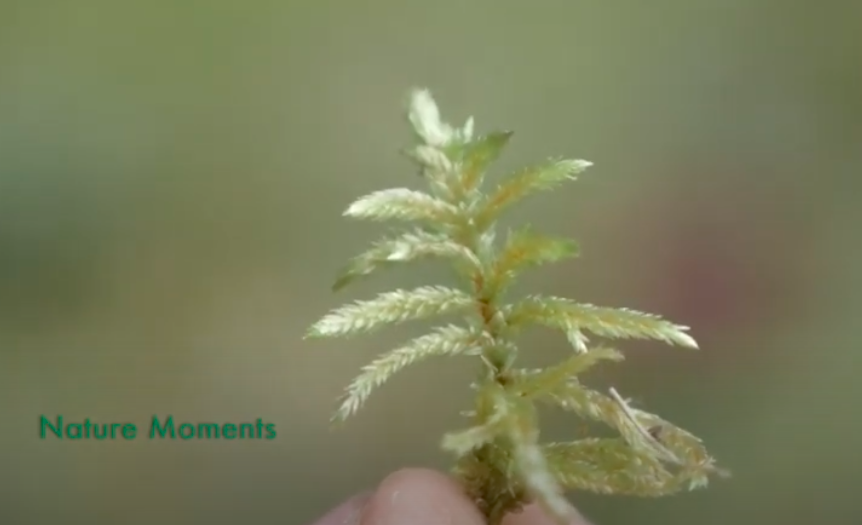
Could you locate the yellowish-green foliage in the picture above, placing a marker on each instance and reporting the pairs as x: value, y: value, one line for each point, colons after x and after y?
x: 499, y: 457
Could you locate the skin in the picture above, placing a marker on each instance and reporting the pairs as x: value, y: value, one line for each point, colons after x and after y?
x: 421, y: 497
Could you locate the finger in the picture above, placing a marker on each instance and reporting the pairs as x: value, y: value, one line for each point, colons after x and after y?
x: 348, y: 513
x: 534, y: 515
x: 420, y: 497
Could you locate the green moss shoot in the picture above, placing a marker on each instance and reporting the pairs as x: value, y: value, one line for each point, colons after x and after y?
x: 499, y: 458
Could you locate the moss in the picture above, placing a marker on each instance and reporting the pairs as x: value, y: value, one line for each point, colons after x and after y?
x: 499, y: 457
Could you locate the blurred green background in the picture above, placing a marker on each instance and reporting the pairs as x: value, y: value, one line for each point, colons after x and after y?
x: 172, y: 176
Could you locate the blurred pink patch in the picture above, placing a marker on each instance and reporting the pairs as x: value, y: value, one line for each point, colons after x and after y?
x: 727, y: 261
x: 704, y: 278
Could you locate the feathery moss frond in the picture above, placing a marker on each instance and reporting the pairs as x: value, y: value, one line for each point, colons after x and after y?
x: 621, y: 323
x: 643, y: 432
x: 525, y: 248
x: 444, y: 341
x: 464, y: 441
x: 607, y: 466
x: 424, y: 117
x: 403, y: 204
x: 533, y: 383
x: 527, y: 181
x: 478, y: 155
x: 391, y: 307
x: 500, y: 460
x: 491, y: 427
x: 587, y: 403
x: 696, y: 463
x: 408, y: 246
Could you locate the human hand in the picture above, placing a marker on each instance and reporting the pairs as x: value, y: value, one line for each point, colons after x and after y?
x: 422, y: 497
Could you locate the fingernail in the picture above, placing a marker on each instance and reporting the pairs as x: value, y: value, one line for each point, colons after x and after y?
x: 348, y: 513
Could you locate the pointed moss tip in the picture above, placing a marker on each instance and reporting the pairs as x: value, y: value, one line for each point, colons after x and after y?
x: 687, y: 340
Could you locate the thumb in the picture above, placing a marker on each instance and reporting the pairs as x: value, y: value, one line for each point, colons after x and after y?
x: 419, y: 497
x: 534, y: 515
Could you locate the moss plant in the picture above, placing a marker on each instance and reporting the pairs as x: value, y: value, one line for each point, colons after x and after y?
x: 500, y: 460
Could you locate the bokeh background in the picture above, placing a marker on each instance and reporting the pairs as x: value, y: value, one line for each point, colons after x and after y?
x: 171, y: 181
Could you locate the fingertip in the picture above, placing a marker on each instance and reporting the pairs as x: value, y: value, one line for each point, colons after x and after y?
x: 534, y: 515
x: 419, y: 497
x: 348, y: 513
